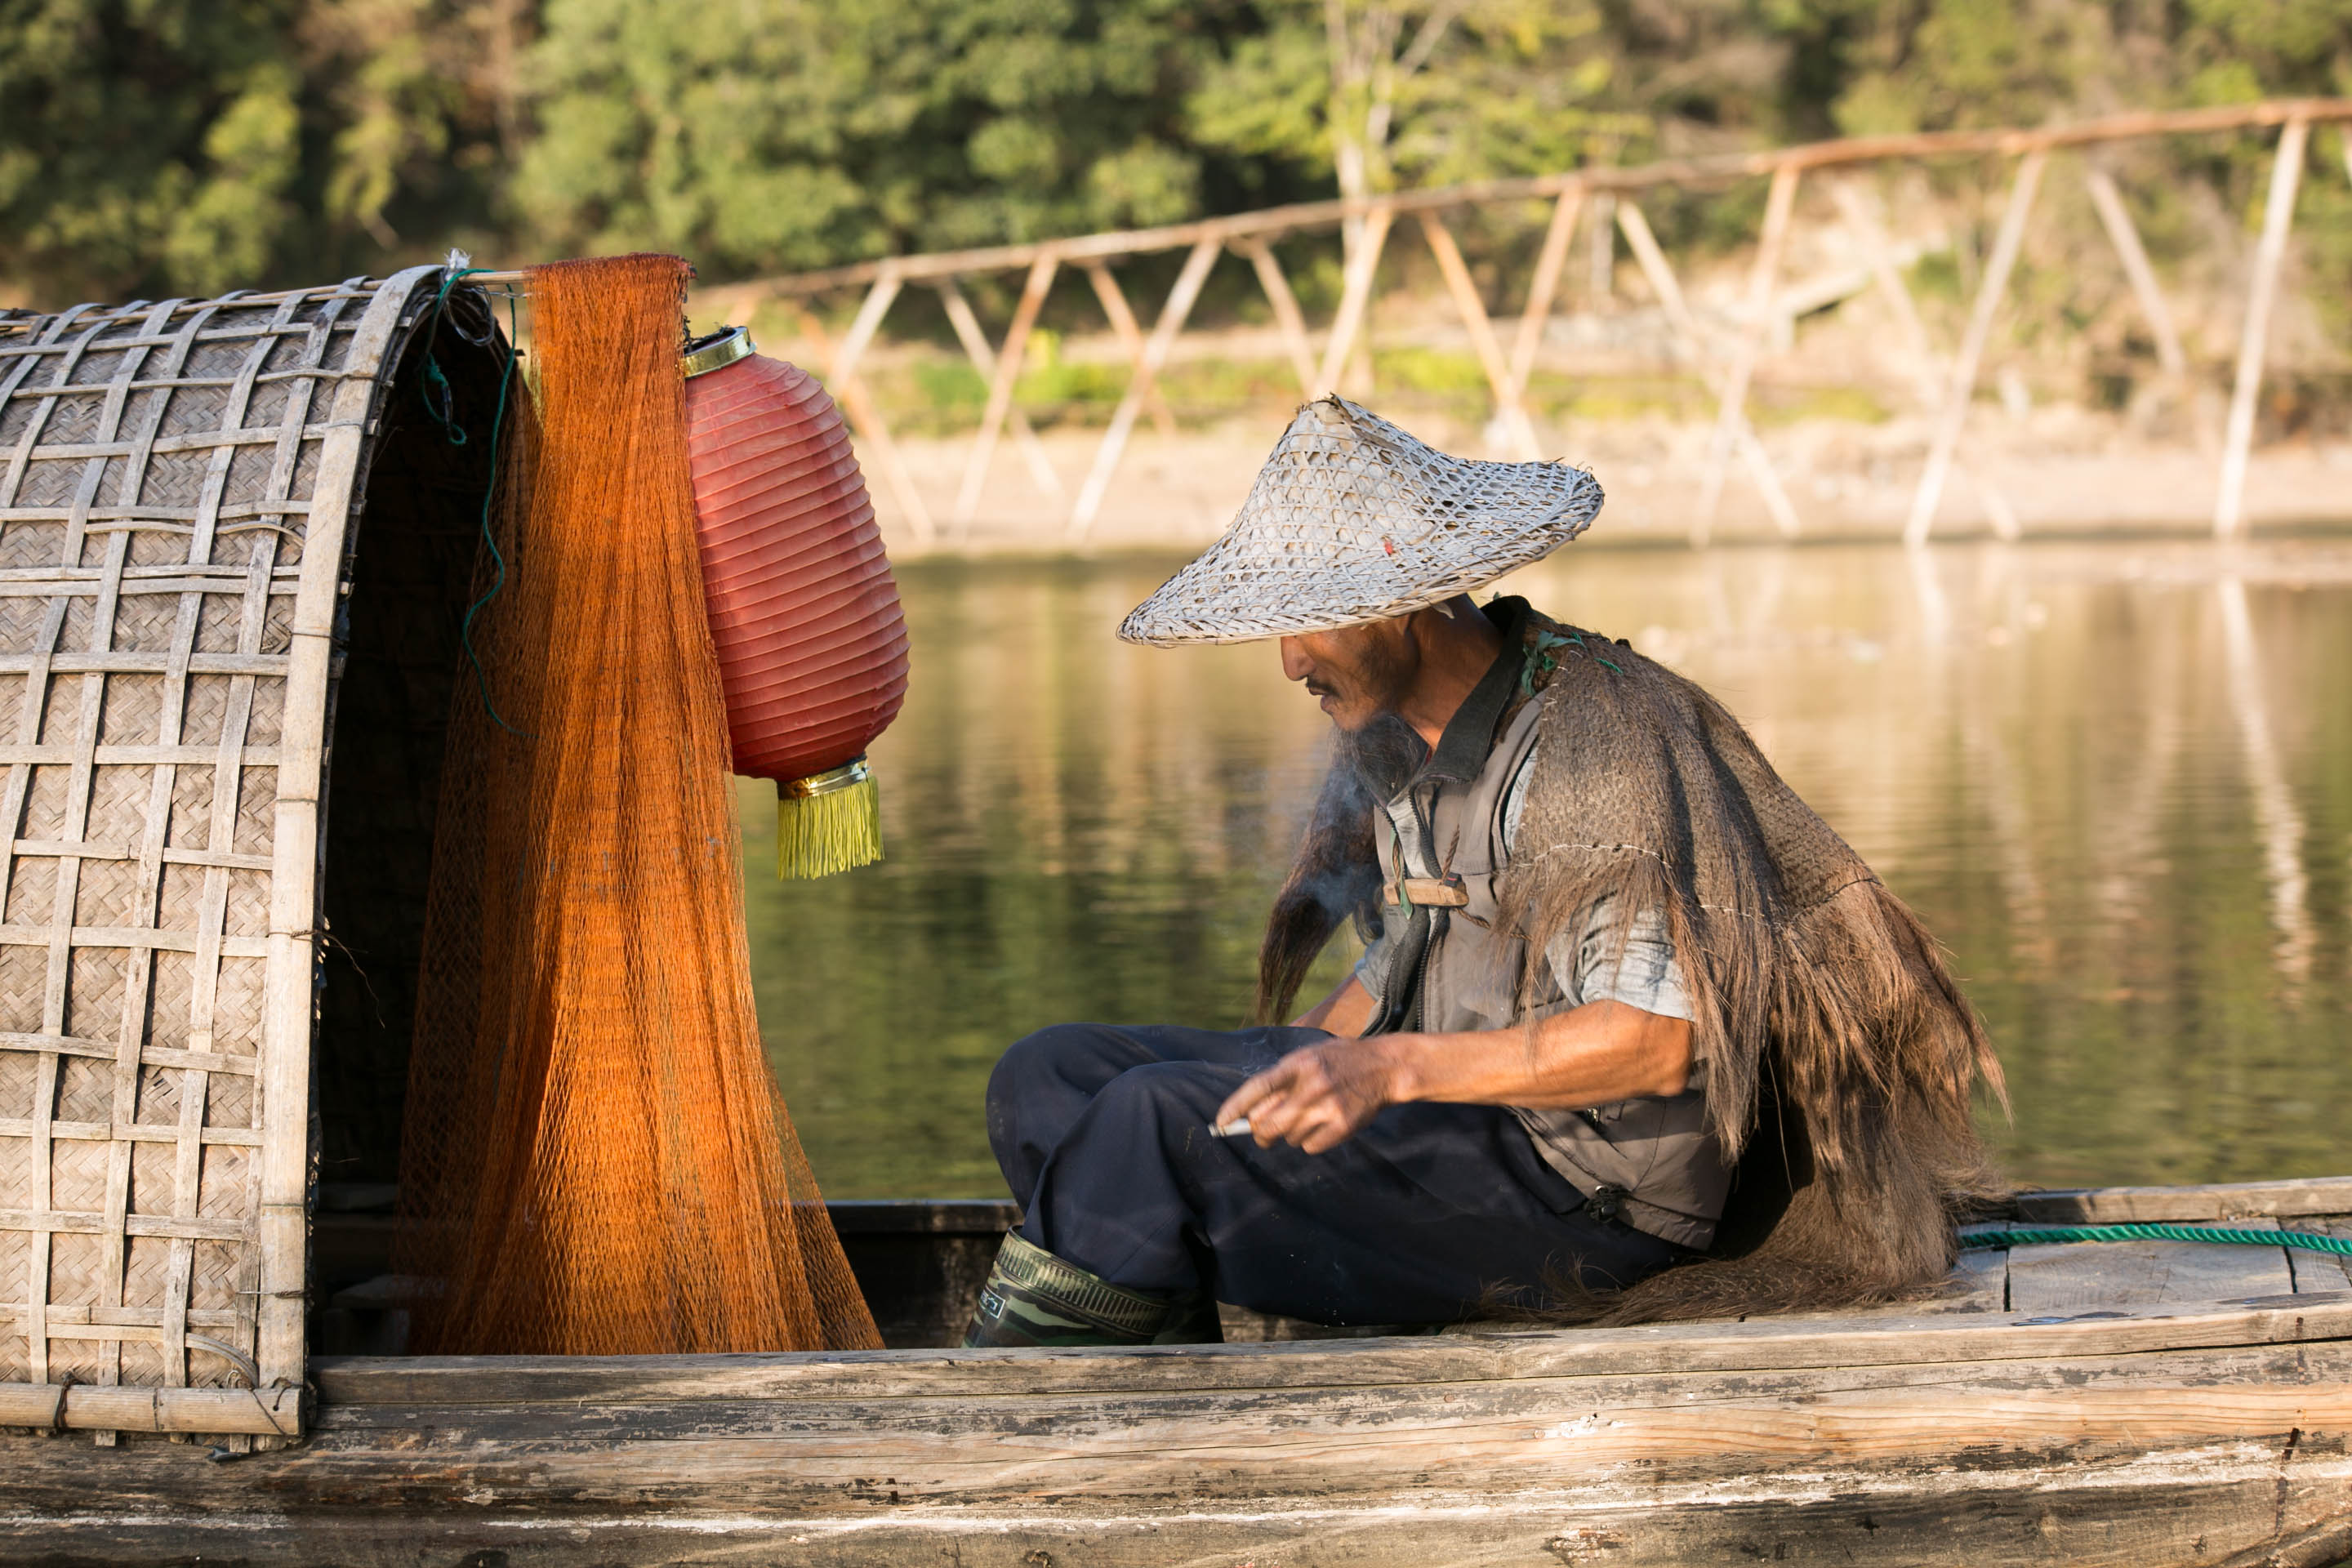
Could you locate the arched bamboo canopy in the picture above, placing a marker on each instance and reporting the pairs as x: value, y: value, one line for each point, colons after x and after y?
x: 197, y: 638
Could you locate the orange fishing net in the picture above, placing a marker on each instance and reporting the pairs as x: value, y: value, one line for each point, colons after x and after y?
x: 596, y: 1160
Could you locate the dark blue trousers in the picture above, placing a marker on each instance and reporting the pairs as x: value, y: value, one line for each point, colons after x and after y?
x: 1427, y: 1215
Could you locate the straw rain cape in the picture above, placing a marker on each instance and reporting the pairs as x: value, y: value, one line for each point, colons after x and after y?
x: 1839, y: 1054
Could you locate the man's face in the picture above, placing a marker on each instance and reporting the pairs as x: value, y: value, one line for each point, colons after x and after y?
x: 1358, y: 672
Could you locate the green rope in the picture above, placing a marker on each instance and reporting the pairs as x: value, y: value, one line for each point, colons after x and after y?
x: 2303, y: 1240
x: 435, y: 388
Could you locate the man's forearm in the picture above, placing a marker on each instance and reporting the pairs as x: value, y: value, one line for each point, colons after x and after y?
x: 1344, y: 1012
x: 1594, y: 1055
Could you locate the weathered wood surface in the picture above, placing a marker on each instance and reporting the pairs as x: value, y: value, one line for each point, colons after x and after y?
x: 1417, y: 1363
x: 2004, y: 1422
x: 2240, y: 1505
x: 2078, y: 1276
x: 2318, y: 1272
x: 2193, y: 1456
x: 2229, y: 1200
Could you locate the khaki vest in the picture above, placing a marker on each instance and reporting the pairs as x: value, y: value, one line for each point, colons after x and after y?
x: 1443, y: 842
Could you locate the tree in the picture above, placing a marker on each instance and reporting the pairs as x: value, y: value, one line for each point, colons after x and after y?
x: 795, y: 133
x: 1372, y: 95
x: 146, y: 145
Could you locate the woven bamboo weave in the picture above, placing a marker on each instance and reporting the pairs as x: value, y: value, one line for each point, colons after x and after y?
x: 175, y: 485
x: 1353, y: 519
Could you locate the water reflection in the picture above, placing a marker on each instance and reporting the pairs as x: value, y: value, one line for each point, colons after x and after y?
x: 2116, y: 779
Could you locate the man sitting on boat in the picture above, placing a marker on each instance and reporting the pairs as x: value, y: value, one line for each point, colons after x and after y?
x: 1636, y: 1035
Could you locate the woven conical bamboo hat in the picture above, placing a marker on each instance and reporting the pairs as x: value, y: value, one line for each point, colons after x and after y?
x: 1351, y: 521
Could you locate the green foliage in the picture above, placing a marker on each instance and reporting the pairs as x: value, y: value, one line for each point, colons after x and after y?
x: 796, y: 132
x: 185, y: 146
x: 144, y: 138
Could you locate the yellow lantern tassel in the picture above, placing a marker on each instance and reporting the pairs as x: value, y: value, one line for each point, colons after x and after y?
x: 828, y: 822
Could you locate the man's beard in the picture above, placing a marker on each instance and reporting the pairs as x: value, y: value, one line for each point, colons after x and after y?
x: 1381, y: 755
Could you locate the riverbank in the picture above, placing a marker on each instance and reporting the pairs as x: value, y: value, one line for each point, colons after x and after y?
x: 2054, y: 471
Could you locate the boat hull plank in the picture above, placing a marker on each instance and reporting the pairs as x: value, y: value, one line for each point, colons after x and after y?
x: 2223, y: 1200
x: 1759, y: 1345
x: 2002, y: 1422
x: 1140, y: 1473
x: 2274, y: 1503
x: 2321, y: 1273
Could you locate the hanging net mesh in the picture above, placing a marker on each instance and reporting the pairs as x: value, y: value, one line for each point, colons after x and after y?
x: 596, y: 1160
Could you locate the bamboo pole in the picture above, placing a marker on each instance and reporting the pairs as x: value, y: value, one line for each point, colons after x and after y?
x: 2125, y: 237
x: 1601, y: 265
x: 1146, y: 369
x: 1355, y: 298
x: 1962, y: 384
x: 1778, y: 204
x: 1130, y: 338
x: 976, y: 347
x: 2278, y: 217
x: 843, y: 382
x: 1473, y: 310
x: 1286, y: 314
x: 999, y: 392
x: 1719, y: 170
x: 1652, y: 259
x: 1550, y: 263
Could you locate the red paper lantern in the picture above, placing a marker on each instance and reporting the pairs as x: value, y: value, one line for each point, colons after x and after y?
x: 812, y: 646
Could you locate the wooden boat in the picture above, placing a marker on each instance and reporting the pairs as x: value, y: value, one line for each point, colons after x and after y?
x: 2139, y: 1404
x: 208, y: 649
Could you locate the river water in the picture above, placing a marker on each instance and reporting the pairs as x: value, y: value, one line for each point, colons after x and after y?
x: 2114, y: 778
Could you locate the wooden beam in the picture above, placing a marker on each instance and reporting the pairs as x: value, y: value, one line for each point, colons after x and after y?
x: 1130, y: 338
x: 1155, y: 355
x: 1355, y: 298
x: 1601, y: 269
x: 1286, y: 314
x: 1509, y: 1353
x: 842, y: 381
x: 1778, y: 204
x: 1473, y: 311
x: 1652, y: 259
x: 2122, y: 233
x: 2254, y: 343
x: 2223, y: 1200
x: 1962, y: 384
x: 966, y: 1447
x: 357, y: 1499
x: 1550, y: 263
x: 999, y: 391
x: 977, y: 349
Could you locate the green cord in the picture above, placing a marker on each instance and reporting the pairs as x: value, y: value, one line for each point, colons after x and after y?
x: 440, y: 411
x: 2302, y: 1240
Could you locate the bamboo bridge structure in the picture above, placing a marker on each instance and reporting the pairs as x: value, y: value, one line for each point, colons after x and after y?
x: 1507, y: 352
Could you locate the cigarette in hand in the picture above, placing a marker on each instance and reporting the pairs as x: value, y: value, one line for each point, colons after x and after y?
x: 1238, y: 1127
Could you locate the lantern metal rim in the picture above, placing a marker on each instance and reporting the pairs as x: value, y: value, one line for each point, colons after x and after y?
x: 847, y: 777
x: 718, y: 350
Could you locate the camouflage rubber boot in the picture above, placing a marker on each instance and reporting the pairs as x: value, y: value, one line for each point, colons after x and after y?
x: 1034, y: 1297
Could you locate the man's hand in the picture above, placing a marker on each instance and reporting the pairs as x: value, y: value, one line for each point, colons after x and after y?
x: 1320, y: 1096
x: 1317, y: 1097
